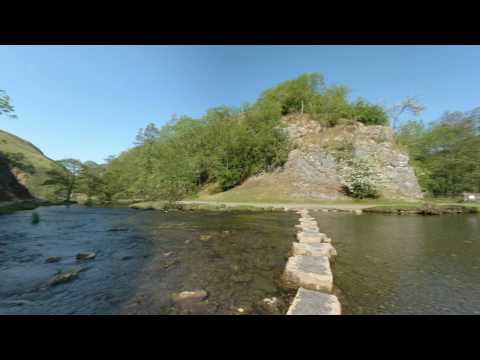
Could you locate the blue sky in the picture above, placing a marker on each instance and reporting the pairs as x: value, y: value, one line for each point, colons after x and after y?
x: 88, y: 102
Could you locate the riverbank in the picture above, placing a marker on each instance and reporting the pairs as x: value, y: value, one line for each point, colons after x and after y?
x: 9, y: 207
x: 376, y: 206
x: 12, y: 206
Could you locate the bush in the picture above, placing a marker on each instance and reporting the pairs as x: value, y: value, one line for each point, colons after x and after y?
x: 359, y: 182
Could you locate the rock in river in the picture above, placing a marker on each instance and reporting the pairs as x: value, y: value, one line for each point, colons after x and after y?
x: 53, y: 259
x: 86, y: 256
x: 63, y: 277
x: 196, y: 295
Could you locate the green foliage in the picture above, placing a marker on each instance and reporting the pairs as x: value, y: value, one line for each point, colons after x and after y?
x: 34, y: 165
x: 64, y: 179
x: 445, y: 154
x: 292, y: 95
x: 18, y: 160
x: 6, y: 107
x: 359, y: 182
x: 369, y: 114
x: 227, y: 145
x: 328, y: 105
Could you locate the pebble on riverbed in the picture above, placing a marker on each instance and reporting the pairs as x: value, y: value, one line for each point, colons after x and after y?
x: 271, y: 306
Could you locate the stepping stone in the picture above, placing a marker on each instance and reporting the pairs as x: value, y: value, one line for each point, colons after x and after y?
x: 308, y: 302
x: 311, y: 228
x: 310, y: 272
x: 311, y: 237
x: 308, y: 222
x: 317, y: 249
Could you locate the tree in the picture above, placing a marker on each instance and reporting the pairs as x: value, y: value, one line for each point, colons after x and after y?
x: 446, y: 153
x: 408, y: 105
x: 5, y: 106
x: 369, y: 114
x: 90, y: 179
x: 65, y: 178
x: 147, y: 135
x: 294, y: 96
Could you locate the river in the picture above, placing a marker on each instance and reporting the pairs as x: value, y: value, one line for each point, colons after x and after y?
x: 386, y: 264
x: 390, y: 264
x: 142, y: 258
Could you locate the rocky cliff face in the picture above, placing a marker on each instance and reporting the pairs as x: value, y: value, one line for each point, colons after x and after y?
x: 10, y: 187
x: 321, y: 156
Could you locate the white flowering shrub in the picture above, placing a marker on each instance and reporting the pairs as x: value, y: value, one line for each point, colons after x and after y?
x: 359, y: 179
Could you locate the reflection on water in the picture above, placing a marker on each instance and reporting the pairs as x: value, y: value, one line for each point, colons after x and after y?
x: 391, y: 264
x: 137, y: 268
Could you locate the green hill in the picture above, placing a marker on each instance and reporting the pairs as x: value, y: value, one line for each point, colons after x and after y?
x: 28, y: 164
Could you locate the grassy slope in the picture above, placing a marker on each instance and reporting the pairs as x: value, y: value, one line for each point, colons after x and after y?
x: 10, y: 143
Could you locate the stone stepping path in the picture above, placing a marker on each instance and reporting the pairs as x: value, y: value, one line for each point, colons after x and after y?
x: 316, y: 249
x: 308, y: 269
x: 312, y: 237
x: 310, y: 272
x: 308, y: 302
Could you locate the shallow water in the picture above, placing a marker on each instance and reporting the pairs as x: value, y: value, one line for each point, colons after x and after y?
x: 389, y: 264
x: 138, y: 268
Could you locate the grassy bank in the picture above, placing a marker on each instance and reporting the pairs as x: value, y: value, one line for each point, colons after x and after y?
x: 11, y: 207
x: 424, y: 209
x: 163, y: 205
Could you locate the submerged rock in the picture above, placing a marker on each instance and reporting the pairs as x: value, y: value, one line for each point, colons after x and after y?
x: 118, y: 229
x: 53, y: 259
x: 63, y: 277
x: 16, y: 302
x: 86, y: 256
x: 195, y: 295
x: 205, y: 237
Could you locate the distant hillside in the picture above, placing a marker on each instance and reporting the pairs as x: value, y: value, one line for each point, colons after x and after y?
x: 27, y: 164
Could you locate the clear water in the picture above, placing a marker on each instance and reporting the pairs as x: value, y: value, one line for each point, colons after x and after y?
x: 389, y: 264
x: 137, y: 271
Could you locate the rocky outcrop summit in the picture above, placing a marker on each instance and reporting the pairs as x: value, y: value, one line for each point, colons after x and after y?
x: 322, y: 155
